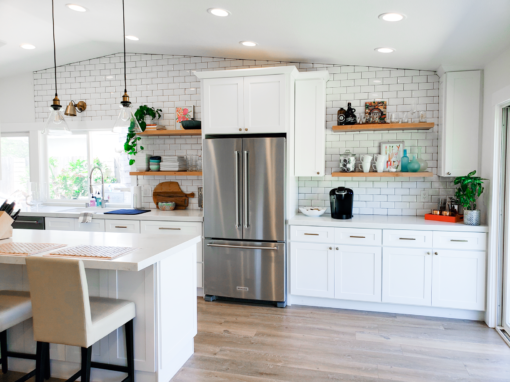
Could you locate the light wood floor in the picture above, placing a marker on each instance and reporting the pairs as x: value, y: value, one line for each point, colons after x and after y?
x: 262, y: 344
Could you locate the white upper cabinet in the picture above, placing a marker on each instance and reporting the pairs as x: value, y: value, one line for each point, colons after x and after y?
x: 264, y: 104
x: 223, y: 105
x: 460, y: 105
x: 310, y: 127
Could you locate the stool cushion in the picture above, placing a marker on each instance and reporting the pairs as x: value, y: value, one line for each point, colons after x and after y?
x: 107, y: 315
x: 15, y: 307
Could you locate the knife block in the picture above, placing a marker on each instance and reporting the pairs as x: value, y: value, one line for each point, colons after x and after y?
x: 5, y: 225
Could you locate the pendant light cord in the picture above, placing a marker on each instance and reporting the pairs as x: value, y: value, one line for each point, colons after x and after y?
x: 54, y: 46
x: 124, y: 38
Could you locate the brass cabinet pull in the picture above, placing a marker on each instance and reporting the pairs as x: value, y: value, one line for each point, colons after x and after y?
x: 312, y: 234
x: 460, y: 241
x: 358, y: 237
x: 428, y: 253
x: 336, y: 248
x: 330, y: 248
x: 406, y: 238
x: 120, y: 226
x: 174, y: 229
x: 435, y: 253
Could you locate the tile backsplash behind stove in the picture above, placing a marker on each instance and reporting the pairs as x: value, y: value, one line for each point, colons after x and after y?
x: 164, y: 81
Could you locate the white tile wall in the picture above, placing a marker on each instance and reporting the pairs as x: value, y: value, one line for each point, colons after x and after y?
x: 165, y: 81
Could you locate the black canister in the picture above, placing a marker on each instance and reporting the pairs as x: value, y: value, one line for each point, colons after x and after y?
x: 341, y: 200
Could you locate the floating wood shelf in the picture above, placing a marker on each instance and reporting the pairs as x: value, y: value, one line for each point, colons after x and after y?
x: 385, y: 126
x: 174, y: 133
x: 167, y: 173
x: 424, y: 174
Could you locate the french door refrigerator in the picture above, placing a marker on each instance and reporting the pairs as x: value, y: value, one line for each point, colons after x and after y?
x: 244, y: 218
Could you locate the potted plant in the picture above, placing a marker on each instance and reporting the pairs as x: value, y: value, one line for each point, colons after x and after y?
x: 131, y: 144
x: 470, y: 189
x: 145, y: 114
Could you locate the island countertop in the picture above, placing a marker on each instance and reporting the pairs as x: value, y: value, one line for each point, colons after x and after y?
x: 149, y: 248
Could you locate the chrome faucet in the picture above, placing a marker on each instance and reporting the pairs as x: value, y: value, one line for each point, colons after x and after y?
x: 103, y: 201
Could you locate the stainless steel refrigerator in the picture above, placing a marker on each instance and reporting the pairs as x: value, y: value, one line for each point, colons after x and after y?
x: 244, y: 218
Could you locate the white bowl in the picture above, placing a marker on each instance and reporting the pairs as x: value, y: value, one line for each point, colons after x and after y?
x: 312, y: 211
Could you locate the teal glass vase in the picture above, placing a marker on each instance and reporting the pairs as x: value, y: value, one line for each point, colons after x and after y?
x: 404, y: 162
x: 414, y: 165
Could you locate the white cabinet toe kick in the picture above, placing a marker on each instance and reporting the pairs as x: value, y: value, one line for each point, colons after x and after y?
x: 432, y: 273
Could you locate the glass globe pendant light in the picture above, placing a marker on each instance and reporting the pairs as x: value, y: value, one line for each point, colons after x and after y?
x: 126, y: 121
x: 56, y: 124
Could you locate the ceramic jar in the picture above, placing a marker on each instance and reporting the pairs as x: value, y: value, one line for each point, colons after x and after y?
x: 347, y: 162
x: 472, y: 217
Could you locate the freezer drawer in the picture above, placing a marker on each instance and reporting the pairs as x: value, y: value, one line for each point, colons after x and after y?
x: 249, y: 270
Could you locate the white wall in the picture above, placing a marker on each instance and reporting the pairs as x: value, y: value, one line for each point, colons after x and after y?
x: 17, y: 99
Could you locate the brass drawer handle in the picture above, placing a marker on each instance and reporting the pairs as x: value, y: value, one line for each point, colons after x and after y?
x: 406, y: 238
x: 460, y: 241
x: 311, y: 234
x: 174, y: 229
x: 120, y: 226
x: 358, y: 237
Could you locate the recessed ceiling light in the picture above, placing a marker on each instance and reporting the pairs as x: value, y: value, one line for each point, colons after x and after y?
x: 134, y: 38
x: 384, y: 50
x: 27, y: 46
x: 392, y: 16
x: 218, y: 12
x: 248, y: 43
x: 77, y: 8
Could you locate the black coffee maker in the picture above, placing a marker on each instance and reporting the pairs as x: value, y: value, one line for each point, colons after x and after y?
x: 341, y: 199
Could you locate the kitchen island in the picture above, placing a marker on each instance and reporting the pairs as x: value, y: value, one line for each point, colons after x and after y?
x: 159, y: 276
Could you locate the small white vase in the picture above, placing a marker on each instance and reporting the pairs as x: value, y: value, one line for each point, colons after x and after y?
x: 472, y: 217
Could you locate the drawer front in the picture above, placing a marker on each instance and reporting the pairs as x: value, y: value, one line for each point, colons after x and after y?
x: 126, y: 226
x: 408, y: 239
x: 96, y: 225
x: 473, y: 241
x: 171, y: 228
x: 358, y: 236
x: 60, y: 224
x: 312, y: 234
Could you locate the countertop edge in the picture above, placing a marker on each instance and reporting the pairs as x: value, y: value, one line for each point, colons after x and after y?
x: 140, y: 217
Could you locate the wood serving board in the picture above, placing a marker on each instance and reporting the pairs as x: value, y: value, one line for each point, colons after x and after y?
x: 167, y: 192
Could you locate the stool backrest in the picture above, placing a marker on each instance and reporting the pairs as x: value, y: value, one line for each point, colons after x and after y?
x: 60, y: 300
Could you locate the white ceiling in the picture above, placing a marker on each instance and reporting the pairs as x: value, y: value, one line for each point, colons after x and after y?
x: 452, y: 33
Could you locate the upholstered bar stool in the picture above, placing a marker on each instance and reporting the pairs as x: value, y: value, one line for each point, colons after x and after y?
x: 16, y: 307
x: 64, y: 313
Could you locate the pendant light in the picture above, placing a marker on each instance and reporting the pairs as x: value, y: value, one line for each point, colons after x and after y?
x: 126, y: 119
x: 56, y: 124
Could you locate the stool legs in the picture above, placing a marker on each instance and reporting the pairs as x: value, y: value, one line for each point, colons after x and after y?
x: 86, y: 359
x: 130, y: 350
x: 41, y: 361
x: 3, y: 350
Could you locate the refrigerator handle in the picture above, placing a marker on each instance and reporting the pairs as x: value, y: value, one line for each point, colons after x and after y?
x: 245, y: 190
x: 238, y: 223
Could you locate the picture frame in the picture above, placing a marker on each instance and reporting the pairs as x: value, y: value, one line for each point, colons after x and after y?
x: 393, y: 151
x: 183, y: 113
x: 376, y: 110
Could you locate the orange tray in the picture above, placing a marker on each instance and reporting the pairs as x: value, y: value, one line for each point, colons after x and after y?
x: 446, y: 219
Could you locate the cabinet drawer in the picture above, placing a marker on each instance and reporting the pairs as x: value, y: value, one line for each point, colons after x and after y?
x: 409, y: 239
x: 60, y: 224
x: 472, y: 241
x: 96, y: 225
x: 312, y: 234
x: 171, y: 228
x: 358, y: 236
x: 126, y: 226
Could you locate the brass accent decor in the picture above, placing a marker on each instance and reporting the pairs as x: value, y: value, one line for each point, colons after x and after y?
x: 73, y: 107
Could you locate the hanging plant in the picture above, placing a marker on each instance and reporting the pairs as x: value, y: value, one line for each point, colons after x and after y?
x: 144, y: 111
x: 131, y: 144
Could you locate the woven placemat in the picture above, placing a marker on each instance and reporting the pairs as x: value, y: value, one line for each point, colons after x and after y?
x: 27, y: 249
x: 92, y: 252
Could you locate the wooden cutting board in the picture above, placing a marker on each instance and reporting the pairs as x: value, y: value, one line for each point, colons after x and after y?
x: 167, y: 192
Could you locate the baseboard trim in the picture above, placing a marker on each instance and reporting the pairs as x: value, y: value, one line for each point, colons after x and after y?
x: 200, y: 292
x: 387, y: 308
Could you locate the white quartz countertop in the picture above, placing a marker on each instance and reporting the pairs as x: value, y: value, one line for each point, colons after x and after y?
x: 154, y: 215
x: 385, y: 222
x: 150, y: 248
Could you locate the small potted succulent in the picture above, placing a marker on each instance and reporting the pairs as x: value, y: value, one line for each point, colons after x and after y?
x: 470, y: 189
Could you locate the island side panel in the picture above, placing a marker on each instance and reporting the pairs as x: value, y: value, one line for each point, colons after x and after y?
x: 176, y: 311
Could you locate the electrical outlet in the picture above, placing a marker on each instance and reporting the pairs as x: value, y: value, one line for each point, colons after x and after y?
x: 424, y: 196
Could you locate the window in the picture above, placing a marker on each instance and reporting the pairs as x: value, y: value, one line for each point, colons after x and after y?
x: 15, y: 168
x: 71, y: 158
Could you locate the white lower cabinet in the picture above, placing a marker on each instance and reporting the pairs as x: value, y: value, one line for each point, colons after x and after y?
x: 200, y: 277
x: 122, y: 226
x: 407, y: 276
x: 96, y: 225
x: 358, y: 273
x: 312, y: 269
x: 60, y: 224
x: 458, y: 279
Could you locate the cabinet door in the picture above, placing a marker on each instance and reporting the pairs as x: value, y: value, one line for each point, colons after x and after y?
x: 312, y: 270
x: 264, y: 104
x: 458, y: 279
x: 358, y: 273
x: 96, y: 225
x: 223, y: 106
x: 310, y: 128
x: 407, y: 276
x: 60, y: 224
x: 461, y: 123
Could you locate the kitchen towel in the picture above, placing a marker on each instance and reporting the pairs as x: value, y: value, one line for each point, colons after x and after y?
x: 127, y: 212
